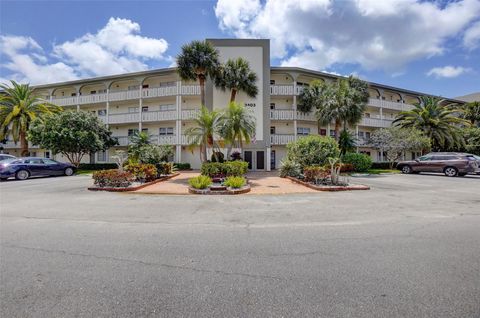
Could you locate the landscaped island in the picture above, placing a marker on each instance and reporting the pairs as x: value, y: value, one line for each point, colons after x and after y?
x: 221, y: 178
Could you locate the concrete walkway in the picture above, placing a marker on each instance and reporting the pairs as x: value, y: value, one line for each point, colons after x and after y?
x: 261, y: 183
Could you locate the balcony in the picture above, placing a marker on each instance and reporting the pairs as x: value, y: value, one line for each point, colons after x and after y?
x: 190, y: 114
x: 389, y: 104
x: 287, y: 114
x: 123, y: 118
x: 154, y: 139
x: 375, y: 122
x: 159, y: 91
x: 159, y: 115
x: 281, y: 139
x: 11, y: 145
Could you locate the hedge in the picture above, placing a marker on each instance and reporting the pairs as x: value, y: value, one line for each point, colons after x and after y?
x: 97, y: 166
x: 383, y: 165
x: 182, y: 166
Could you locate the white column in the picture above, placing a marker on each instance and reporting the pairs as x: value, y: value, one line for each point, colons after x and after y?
x: 269, y: 158
x: 78, y: 97
x: 140, y: 104
x: 294, y: 106
x: 178, y: 122
x: 356, y: 133
x: 178, y: 153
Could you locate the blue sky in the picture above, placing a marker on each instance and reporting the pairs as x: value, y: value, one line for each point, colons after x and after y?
x: 433, y: 47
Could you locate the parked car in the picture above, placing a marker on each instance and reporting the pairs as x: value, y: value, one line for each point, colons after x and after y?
x: 23, y: 168
x: 450, y: 163
x: 4, y: 156
x: 477, y: 158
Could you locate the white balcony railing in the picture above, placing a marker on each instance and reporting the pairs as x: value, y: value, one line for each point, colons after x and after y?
x: 159, y: 91
x: 11, y: 144
x: 190, y: 114
x: 281, y: 139
x: 389, y: 104
x: 123, y: 118
x: 287, y: 114
x: 167, y: 140
x: 159, y: 115
x: 65, y: 101
x: 375, y: 122
x: 190, y: 90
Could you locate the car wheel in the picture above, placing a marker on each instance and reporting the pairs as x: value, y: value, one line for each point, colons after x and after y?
x: 68, y: 171
x: 450, y: 171
x: 406, y: 169
x: 22, y: 175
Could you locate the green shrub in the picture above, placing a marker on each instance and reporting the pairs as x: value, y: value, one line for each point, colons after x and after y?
x: 182, y: 166
x: 200, y: 182
x: 112, y: 178
x: 97, y: 166
x: 312, y: 150
x: 236, y: 168
x: 164, y: 168
x: 228, y: 168
x: 289, y: 168
x: 234, y: 182
x: 143, y: 172
x: 359, y: 161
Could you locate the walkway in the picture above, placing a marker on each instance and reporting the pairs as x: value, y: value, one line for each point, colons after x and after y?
x: 261, y: 183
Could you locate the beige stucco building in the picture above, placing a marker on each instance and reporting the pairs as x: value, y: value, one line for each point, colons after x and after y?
x: 159, y: 102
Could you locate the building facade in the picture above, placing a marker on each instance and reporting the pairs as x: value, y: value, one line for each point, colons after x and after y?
x: 161, y: 104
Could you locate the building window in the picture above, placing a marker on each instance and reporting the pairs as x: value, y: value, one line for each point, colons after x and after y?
x: 361, y: 134
x: 47, y: 154
x: 167, y: 107
x: 272, y: 130
x: 133, y: 87
x: 163, y: 84
x: 304, y: 131
x: 102, y: 112
x: 164, y: 131
x: 367, y: 115
x: 272, y: 82
x: 133, y: 109
x: 101, y: 91
x: 144, y: 108
x: 323, y: 132
x: 145, y: 130
x: 332, y: 133
x: 132, y: 132
x: 145, y: 86
x: 93, y: 92
x: 366, y: 153
x: 272, y: 106
x: 73, y: 94
x: 367, y: 135
x: 102, y: 156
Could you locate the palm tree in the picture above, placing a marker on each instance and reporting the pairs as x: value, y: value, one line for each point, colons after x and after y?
x: 437, y: 120
x: 197, y: 61
x: 238, y: 126
x: 207, y: 125
x: 236, y: 75
x: 471, y: 112
x: 136, y: 142
x: 19, y: 106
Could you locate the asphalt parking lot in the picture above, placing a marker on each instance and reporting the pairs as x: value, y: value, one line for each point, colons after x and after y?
x: 409, y: 247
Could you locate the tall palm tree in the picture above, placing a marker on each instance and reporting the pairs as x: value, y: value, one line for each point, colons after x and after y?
x: 437, y: 120
x: 136, y: 142
x: 207, y: 125
x: 19, y: 106
x: 343, y: 102
x: 198, y: 61
x: 238, y: 126
x: 236, y: 75
x: 471, y: 112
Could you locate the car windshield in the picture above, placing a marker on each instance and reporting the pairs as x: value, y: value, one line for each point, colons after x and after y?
x: 424, y: 158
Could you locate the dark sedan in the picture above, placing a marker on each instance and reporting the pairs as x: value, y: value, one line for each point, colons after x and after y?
x: 23, y: 168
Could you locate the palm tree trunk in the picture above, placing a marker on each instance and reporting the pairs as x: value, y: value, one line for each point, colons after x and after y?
x: 337, y: 129
x: 233, y: 93
x: 201, y: 79
x: 23, y: 144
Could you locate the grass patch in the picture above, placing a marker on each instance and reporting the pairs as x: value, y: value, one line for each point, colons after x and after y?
x: 379, y: 171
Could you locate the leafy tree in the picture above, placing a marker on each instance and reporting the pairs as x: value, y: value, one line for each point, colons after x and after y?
x: 197, y: 61
x: 18, y: 108
x: 138, y: 141
x: 310, y: 96
x: 238, y: 126
x: 236, y: 75
x: 312, y: 150
x: 207, y: 125
x: 154, y: 154
x: 396, y: 141
x: 438, y: 121
x: 72, y: 134
x: 471, y: 112
x: 346, y: 142
x: 472, y: 140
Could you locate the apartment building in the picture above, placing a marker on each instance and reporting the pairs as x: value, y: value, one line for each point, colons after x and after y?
x: 160, y: 103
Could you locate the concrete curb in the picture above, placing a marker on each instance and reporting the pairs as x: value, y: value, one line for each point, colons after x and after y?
x: 329, y: 188
x: 134, y: 188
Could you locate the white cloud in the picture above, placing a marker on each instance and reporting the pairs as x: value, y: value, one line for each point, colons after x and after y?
x: 447, y: 71
x: 471, y: 38
x: 374, y: 34
x: 116, y: 48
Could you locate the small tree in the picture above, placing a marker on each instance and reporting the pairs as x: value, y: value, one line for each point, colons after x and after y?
x: 72, y: 134
x: 396, y: 141
x: 472, y: 140
x: 120, y: 158
x: 312, y: 150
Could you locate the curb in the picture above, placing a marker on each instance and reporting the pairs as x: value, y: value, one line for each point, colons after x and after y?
x: 134, y: 188
x: 329, y: 188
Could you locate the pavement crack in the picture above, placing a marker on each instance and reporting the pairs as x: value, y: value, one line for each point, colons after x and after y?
x: 127, y: 260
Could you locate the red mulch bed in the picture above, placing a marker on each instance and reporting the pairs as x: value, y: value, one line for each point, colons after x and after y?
x: 141, y: 186
x: 329, y: 187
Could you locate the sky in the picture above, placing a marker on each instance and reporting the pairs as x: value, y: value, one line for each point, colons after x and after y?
x: 427, y: 46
